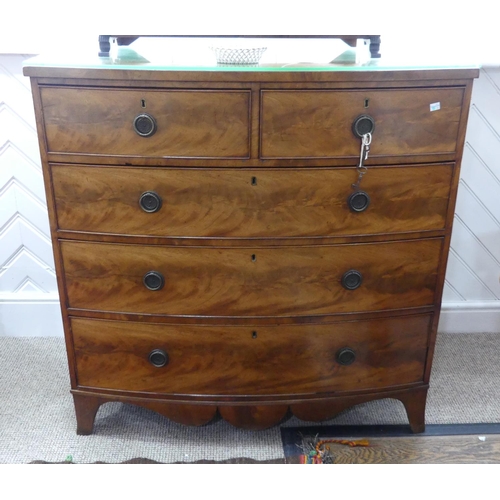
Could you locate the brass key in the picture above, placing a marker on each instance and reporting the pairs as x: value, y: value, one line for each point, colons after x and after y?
x: 366, y: 140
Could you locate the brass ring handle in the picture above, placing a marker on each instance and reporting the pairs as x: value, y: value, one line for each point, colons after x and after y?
x: 352, y: 279
x: 359, y: 201
x: 158, y: 358
x: 144, y: 125
x: 150, y: 202
x: 346, y: 356
x: 362, y: 125
x: 154, y: 281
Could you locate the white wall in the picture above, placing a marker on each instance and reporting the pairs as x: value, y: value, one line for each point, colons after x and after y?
x: 29, y: 302
x: 471, y: 300
x: 28, y: 293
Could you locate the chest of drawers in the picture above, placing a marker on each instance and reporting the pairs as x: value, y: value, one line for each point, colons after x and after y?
x: 210, y: 257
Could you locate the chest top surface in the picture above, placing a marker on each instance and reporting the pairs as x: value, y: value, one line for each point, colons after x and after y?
x: 182, y: 59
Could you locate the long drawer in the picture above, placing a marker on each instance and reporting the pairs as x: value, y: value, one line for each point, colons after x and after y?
x: 281, y: 281
x: 318, y: 123
x: 231, y: 203
x: 187, y: 123
x: 235, y: 360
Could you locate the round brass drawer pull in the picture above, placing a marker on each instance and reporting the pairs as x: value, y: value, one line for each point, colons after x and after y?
x: 358, y: 201
x: 158, y: 358
x: 153, y: 281
x: 352, y: 279
x: 150, y: 202
x: 346, y: 356
x: 362, y: 125
x: 144, y: 125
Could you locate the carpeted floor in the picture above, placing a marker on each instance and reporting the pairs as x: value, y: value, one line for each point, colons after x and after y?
x: 37, y: 420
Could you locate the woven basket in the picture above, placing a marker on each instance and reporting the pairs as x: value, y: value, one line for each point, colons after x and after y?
x: 238, y: 55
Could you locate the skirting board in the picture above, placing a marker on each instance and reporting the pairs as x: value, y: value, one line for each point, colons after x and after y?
x: 470, y: 317
x: 40, y: 316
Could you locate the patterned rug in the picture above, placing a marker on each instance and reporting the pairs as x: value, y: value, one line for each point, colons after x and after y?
x: 451, y: 443
x: 377, y: 444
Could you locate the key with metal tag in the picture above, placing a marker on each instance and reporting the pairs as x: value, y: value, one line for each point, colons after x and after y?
x: 366, y: 141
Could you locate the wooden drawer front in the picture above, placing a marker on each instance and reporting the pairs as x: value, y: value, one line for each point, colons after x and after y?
x: 242, y: 203
x: 250, y: 281
x: 318, y: 123
x: 204, y: 123
x: 235, y: 360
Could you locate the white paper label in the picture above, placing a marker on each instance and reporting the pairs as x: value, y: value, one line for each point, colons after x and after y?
x: 435, y: 106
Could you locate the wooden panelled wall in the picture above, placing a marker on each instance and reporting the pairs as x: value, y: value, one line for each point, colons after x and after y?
x: 28, y: 293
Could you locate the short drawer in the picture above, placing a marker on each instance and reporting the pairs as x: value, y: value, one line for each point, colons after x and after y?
x: 279, y: 281
x: 189, y: 123
x: 234, y: 203
x: 318, y: 123
x: 236, y: 360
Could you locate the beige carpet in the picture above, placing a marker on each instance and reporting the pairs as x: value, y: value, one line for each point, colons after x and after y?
x: 37, y: 420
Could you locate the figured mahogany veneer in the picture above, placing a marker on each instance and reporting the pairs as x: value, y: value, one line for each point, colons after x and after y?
x: 281, y: 281
x: 208, y: 259
x: 298, y: 124
x: 203, y: 123
x: 240, y: 361
x: 241, y: 203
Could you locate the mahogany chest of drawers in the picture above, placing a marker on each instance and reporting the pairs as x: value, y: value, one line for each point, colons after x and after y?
x: 210, y: 254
